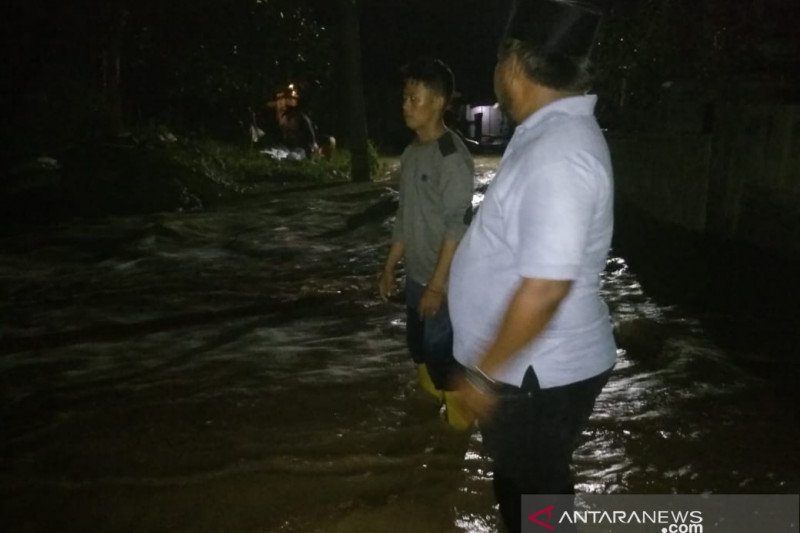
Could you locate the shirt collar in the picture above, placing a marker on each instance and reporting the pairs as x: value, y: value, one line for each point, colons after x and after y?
x: 571, y: 105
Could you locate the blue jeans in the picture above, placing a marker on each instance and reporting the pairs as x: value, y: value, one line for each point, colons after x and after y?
x: 430, y: 340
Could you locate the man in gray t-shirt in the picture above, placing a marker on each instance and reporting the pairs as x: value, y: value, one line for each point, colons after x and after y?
x: 436, y: 185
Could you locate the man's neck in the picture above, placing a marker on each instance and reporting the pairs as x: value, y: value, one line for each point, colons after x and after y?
x: 430, y: 132
x: 537, y: 97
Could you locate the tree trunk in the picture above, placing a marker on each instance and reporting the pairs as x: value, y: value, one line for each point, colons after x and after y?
x: 354, y: 91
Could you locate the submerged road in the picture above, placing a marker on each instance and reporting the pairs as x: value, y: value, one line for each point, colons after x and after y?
x: 232, y: 370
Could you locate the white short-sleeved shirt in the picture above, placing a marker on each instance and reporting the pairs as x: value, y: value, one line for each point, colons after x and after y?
x: 548, y: 214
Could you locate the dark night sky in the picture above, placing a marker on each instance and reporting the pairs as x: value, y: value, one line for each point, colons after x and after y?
x: 463, y: 33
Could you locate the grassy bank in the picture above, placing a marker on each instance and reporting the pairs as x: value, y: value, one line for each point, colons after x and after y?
x: 152, y: 172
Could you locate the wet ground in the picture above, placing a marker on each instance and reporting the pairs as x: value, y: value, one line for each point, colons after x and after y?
x: 231, y: 370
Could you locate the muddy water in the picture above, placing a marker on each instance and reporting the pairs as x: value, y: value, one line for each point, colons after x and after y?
x: 232, y: 371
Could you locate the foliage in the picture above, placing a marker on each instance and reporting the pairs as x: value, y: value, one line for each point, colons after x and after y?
x: 153, y: 171
x: 714, y: 43
x: 189, y: 69
x: 243, y: 169
x: 643, y: 45
x: 200, y: 66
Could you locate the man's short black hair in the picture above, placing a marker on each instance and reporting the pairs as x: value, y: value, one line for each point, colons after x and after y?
x: 433, y: 73
x: 555, y: 70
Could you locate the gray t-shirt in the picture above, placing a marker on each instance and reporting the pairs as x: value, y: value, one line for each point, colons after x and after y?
x: 548, y: 215
x: 436, y: 184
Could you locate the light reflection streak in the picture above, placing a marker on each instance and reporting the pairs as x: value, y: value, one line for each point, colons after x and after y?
x: 472, y: 523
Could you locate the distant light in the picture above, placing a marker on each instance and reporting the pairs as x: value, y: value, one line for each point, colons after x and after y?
x: 496, y: 105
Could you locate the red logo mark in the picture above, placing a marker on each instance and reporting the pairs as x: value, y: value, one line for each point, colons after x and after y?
x: 549, y: 512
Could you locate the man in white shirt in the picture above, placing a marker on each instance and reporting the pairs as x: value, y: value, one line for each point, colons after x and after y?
x: 528, y: 320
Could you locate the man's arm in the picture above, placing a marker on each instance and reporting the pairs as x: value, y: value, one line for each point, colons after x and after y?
x: 386, y: 279
x: 434, y: 294
x: 456, y: 198
x: 530, y: 310
x: 441, y: 273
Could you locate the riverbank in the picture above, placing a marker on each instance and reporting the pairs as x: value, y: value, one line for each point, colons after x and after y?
x: 152, y: 173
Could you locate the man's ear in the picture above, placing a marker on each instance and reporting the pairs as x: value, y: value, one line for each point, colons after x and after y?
x: 441, y: 102
x: 516, y: 68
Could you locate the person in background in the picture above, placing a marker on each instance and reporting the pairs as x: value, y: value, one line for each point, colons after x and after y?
x: 529, y: 324
x: 295, y: 128
x: 436, y: 185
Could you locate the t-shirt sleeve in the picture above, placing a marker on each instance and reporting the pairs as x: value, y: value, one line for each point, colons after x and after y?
x: 555, y: 215
x: 456, y: 190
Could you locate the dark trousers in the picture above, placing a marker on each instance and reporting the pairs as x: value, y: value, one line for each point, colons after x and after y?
x: 531, y: 438
x: 430, y: 340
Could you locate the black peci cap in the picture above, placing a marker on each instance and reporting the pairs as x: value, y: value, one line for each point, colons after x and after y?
x: 555, y: 26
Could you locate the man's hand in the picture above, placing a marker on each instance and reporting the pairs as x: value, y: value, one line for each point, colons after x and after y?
x: 387, y: 284
x: 430, y: 303
x: 482, y: 403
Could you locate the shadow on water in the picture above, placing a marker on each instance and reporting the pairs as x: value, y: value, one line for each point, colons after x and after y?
x: 233, y: 371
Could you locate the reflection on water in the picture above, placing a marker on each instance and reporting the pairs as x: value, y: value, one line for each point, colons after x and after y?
x: 232, y: 371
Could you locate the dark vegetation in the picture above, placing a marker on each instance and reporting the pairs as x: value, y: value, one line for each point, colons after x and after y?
x: 151, y: 174
x: 85, y: 70
x: 147, y: 105
x: 717, y: 51
x: 119, y: 106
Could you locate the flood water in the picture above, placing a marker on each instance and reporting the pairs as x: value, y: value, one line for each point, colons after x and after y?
x: 232, y: 370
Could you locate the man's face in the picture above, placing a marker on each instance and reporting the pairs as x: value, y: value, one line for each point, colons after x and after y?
x: 284, y: 101
x: 421, y: 105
